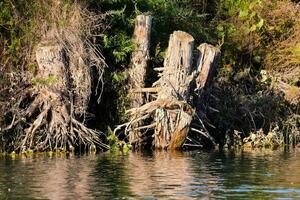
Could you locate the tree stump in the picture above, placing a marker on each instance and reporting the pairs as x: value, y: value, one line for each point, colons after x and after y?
x: 51, y: 60
x: 207, y: 62
x: 48, y: 115
x: 55, y: 125
x: 175, y: 107
x: 172, y: 125
x: 206, y: 66
x: 138, y: 69
x: 208, y: 58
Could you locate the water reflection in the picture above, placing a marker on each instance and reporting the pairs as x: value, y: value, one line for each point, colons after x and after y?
x: 263, y: 174
x: 64, y: 178
x: 154, y: 175
x: 110, y: 177
x: 160, y: 175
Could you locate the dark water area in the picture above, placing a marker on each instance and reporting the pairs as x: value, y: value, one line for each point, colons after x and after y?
x: 155, y: 175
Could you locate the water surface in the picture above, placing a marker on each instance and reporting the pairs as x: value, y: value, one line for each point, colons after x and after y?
x: 155, y: 175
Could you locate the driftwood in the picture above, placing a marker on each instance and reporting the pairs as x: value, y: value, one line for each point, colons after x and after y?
x: 138, y: 68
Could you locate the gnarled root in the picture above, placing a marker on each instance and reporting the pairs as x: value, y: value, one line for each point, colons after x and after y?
x: 52, y: 126
x: 171, y: 120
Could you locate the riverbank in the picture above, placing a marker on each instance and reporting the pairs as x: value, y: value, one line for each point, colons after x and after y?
x: 67, y: 79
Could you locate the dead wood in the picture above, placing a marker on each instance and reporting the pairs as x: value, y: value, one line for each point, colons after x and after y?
x: 172, y: 128
x: 138, y: 68
x: 50, y: 117
x: 181, y: 92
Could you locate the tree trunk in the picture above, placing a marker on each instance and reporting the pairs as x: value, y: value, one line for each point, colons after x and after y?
x: 51, y: 62
x: 206, y: 65
x: 208, y: 59
x: 172, y: 125
x: 207, y: 62
x: 55, y: 126
x: 138, y: 69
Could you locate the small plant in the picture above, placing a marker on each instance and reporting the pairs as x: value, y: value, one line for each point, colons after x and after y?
x: 121, y: 44
x: 115, y: 144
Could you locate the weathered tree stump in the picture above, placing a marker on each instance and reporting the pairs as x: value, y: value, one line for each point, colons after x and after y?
x: 138, y: 69
x: 206, y: 66
x: 55, y: 125
x: 172, y: 125
x: 207, y: 62
x: 48, y: 105
x: 51, y: 60
x: 175, y: 107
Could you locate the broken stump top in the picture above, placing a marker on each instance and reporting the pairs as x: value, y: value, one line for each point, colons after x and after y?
x: 182, y: 36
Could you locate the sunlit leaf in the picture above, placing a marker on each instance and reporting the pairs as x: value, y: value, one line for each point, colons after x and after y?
x: 260, y: 24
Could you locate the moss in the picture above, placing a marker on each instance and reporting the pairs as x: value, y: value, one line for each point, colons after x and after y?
x: 32, y: 68
x: 50, y: 80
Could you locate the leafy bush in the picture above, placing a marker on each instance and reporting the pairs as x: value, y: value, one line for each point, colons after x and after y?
x: 283, y: 41
x: 256, y: 35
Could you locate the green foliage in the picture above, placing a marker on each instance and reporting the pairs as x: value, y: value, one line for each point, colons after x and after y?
x: 248, y: 30
x: 32, y: 68
x: 50, y: 80
x: 115, y: 144
x: 17, y: 24
x: 121, y: 44
x: 169, y: 15
x: 118, y: 82
x: 238, y: 24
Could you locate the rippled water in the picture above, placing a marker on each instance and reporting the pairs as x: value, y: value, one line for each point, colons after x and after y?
x: 156, y: 175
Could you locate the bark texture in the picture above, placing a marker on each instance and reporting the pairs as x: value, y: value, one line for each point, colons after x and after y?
x: 181, y: 93
x: 55, y: 125
x: 206, y: 67
x: 138, y: 69
x: 172, y: 127
x: 51, y: 61
x: 207, y: 63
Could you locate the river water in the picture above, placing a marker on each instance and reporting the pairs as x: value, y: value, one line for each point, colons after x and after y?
x: 153, y: 175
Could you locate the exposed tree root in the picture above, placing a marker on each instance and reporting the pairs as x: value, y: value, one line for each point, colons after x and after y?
x: 50, y: 126
x: 46, y: 115
x: 50, y: 113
